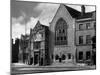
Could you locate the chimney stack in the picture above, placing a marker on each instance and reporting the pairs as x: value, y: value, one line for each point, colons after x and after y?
x: 82, y: 10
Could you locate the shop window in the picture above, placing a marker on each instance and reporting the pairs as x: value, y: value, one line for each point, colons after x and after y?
x: 88, y: 55
x: 80, y: 55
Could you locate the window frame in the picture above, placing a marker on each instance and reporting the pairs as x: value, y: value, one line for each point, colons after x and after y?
x: 81, y: 39
x: 81, y: 58
x: 88, y: 40
x: 80, y: 26
x: 88, y: 57
x: 88, y: 25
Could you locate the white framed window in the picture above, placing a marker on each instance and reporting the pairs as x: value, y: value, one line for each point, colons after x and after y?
x: 88, y: 25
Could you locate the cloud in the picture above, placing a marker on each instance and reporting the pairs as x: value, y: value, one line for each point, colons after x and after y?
x: 17, y: 20
x: 47, y: 12
x: 88, y: 8
x: 21, y: 19
x: 18, y: 28
x: 41, y: 11
x: 31, y: 24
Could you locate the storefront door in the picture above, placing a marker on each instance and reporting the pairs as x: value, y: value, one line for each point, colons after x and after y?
x: 36, y: 58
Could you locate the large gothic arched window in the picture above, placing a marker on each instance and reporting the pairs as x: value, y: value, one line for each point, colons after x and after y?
x: 61, y: 32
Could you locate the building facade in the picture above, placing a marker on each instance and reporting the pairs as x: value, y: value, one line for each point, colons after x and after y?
x: 39, y: 45
x: 15, y: 51
x: 62, y: 30
x: 23, y: 49
x: 84, y: 32
x: 67, y: 39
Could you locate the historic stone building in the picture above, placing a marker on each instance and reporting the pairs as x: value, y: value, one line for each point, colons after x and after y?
x: 84, y: 31
x: 70, y: 34
x: 39, y: 45
x: 67, y: 39
x: 23, y: 49
x: 62, y: 32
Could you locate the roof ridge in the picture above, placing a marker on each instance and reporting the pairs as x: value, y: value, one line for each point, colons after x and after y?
x: 73, y: 12
x: 71, y: 8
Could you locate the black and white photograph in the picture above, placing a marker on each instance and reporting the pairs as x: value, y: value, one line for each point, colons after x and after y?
x: 52, y: 37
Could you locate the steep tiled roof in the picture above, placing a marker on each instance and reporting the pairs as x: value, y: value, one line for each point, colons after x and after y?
x: 86, y: 15
x: 74, y: 13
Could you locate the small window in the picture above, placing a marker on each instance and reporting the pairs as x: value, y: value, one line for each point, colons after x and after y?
x: 87, y: 25
x: 69, y: 56
x: 88, y: 55
x: 61, y: 38
x: 63, y: 31
x: 80, y: 26
x: 80, y: 39
x: 64, y: 37
x: 88, y: 39
x: 57, y: 38
x: 80, y: 55
x: 59, y: 31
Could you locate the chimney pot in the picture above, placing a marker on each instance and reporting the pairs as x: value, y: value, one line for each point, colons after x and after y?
x: 82, y: 10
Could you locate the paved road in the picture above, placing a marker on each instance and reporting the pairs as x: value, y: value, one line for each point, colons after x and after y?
x: 28, y: 70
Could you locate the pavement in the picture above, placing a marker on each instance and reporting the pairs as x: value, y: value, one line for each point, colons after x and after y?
x: 19, y: 68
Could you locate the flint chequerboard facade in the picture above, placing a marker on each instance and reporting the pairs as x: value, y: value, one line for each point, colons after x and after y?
x: 67, y: 39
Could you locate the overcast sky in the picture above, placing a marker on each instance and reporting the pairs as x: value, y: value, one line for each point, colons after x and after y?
x: 28, y: 13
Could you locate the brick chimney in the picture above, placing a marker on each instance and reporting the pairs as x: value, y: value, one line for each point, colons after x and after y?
x: 82, y: 10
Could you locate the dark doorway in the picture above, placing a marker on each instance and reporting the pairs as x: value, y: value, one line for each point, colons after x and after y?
x: 36, y: 58
x: 80, y: 55
x: 41, y: 61
x: 69, y: 56
x: 31, y: 61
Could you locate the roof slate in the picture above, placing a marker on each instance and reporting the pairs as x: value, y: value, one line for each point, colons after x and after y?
x: 76, y: 14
